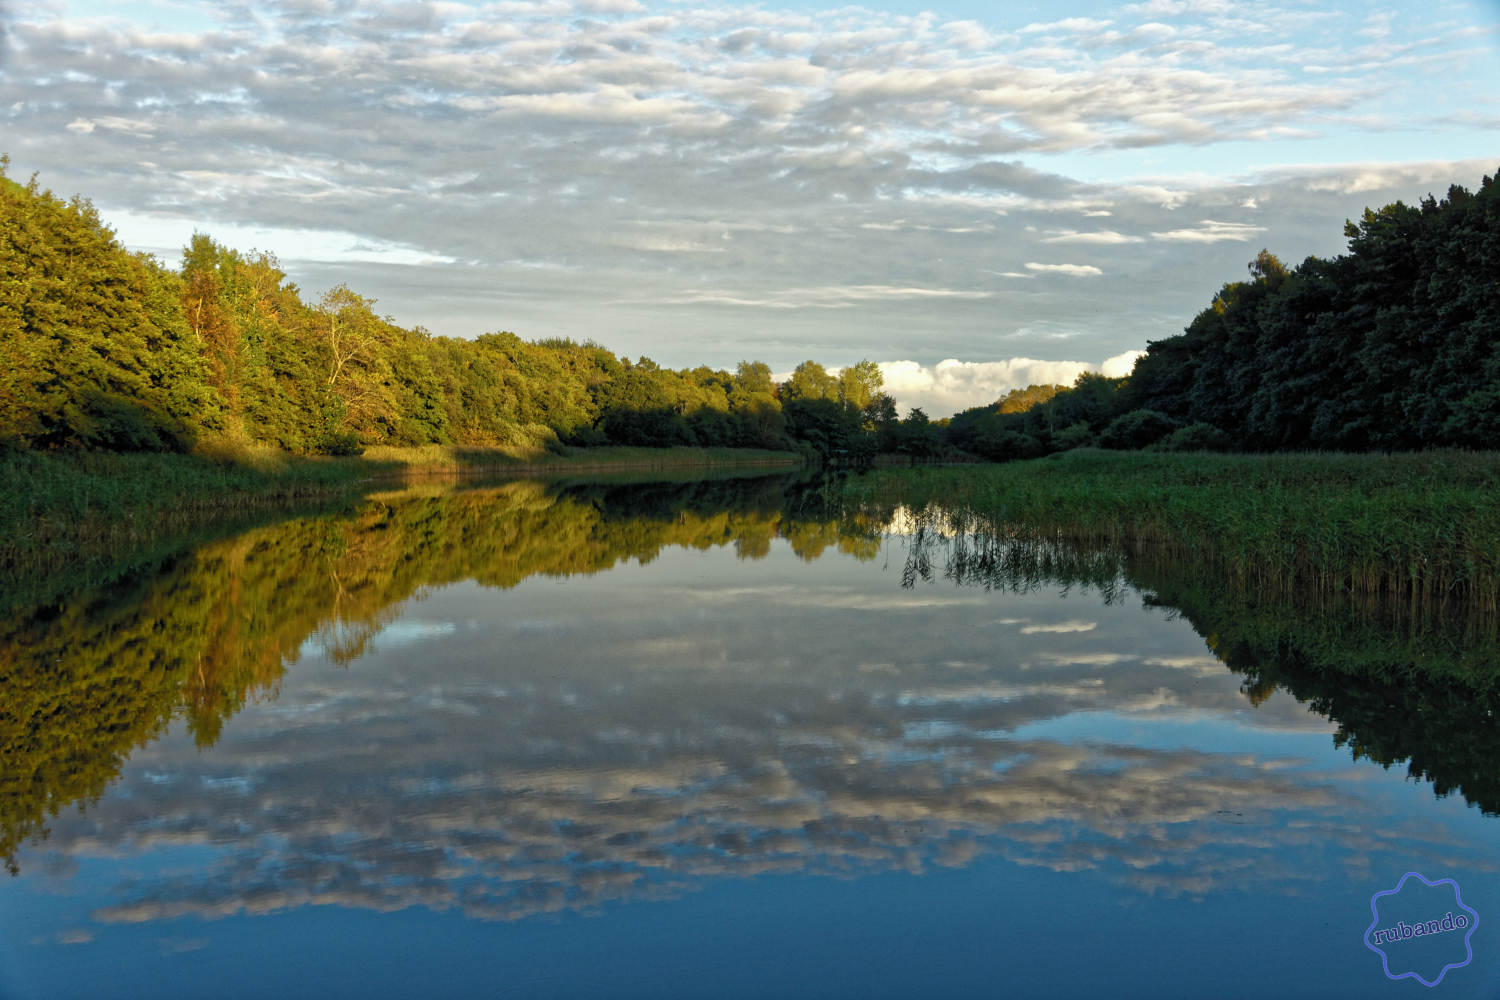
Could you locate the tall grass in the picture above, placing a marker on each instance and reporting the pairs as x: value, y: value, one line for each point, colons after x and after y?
x: 69, y: 510
x: 438, y: 459
x: 64, y: 507
x: 1422, y: 529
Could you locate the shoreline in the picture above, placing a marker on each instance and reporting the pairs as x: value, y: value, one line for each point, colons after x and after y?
x: 68, y: 512
x: 1420, y: 530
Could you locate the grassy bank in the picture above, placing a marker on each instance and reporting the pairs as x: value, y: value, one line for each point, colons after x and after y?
x: 1422, y: 528
x: 66, y: 509
x: 450, y: 459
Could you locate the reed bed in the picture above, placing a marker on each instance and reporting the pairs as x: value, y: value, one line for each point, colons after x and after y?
x: 455, y: 459
x: 1421, y: 530
x: 59, y: 509
x: 66, y: 511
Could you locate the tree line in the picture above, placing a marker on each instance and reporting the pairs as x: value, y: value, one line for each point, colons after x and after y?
x: 1390, y: 346
x: 1394, y: 345
x: 101, y: 348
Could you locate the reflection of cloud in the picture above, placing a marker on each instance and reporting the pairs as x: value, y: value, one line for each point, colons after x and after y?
x: 512, y: 841
x: 664, y: 780
x: 1069, y: 626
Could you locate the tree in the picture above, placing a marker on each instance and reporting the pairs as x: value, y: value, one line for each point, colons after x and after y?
x: 809, y: 380
x: 859, y: 384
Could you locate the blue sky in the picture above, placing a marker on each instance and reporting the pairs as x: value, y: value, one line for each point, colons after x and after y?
x: 974, y: 196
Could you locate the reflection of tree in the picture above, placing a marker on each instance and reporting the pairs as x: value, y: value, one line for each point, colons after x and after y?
x: 93, y: 676
x: 1403, y: 686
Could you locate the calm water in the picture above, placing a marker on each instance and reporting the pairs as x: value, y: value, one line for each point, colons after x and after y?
x: 714, y: 740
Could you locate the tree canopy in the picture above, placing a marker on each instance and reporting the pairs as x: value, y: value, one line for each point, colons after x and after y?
x: 1394, y: 345
x: 1390, y: 346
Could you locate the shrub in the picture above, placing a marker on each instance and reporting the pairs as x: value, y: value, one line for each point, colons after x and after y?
x: 1137, y: 429
x: 1195, y: 437
x: 339, y: 443
x: 1073, y: 436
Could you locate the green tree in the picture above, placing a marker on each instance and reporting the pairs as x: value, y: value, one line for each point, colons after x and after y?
x: 810, y: 380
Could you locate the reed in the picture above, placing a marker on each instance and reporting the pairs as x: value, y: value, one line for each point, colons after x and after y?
x: 1419, y: 529
x: 62, y: 508
x: 68, y: 511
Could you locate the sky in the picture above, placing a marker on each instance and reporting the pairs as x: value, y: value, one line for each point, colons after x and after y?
x: 976, y: 196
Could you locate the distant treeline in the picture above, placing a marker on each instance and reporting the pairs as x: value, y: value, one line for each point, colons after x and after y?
x: 101, y: 348
x: 1392, y: 346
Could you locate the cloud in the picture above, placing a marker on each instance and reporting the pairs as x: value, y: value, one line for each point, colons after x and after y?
x: 827, y: 297
x: 166, y: 235
x: 1102, y: 237
x: 1120, y: 365
x: 952, y: 385
x: 1072, y: 270
x: 1210, y: 231
x: 493, y: 166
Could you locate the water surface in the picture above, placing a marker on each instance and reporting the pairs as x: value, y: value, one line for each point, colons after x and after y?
x: 720, y: 739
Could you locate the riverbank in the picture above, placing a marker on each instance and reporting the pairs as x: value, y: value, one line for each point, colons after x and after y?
x: 1421, y: 529
x: 77, y: 507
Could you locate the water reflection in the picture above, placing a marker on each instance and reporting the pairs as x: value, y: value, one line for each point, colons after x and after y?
x: 444, y: 702
x: 1403, y: 687
x: 97, y: 673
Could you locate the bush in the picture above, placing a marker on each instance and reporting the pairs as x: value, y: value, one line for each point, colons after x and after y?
x: 341, y: 443
x: 1195, y: 437
x: 1073, y: 436
x: 1137, y: 429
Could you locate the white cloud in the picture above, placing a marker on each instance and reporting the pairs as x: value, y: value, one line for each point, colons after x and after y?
x: 903, y: 173
x: 166, y: 236
x: 824, y: 297
x: 1210, y: 231
x: 1079, y: 25
x: 1072, y: 270
x: 952, y: 385
x: 1121, y: 364
x: 1102, y: 237
x: 611, y: 6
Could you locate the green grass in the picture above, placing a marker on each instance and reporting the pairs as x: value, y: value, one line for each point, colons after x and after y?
x: 431, y: 459
x: 57, y: 508
x: 69, y: 510
x: 1420, y: 528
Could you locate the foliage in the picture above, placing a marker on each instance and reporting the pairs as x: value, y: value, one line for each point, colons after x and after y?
x: 101, y: 349
x: 94, y: 350
x: 1137, y: 429
x: 1195, y: 437
x: 1391, y: 346
x: 1388, y: 347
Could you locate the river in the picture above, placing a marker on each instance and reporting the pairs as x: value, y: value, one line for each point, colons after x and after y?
x: 727, y: 739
